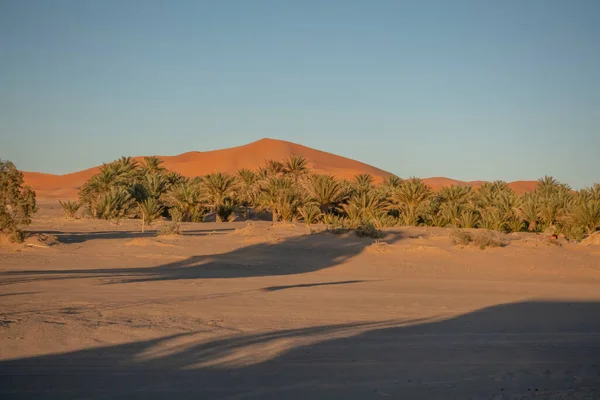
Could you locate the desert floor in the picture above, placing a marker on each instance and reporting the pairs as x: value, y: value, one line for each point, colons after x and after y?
x: 232, y: 311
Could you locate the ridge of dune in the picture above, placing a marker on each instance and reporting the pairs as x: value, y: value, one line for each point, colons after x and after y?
x: 230, y: 160
x: 519, y: 187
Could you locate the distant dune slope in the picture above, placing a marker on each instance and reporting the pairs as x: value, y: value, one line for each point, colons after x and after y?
x: 231, y: 160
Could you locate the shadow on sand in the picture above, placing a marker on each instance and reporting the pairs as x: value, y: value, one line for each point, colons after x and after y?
x: 294, y: 255
x: 80, y: 237
x: 537, y: 350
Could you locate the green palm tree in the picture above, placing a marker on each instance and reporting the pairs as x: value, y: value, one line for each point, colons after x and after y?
x: 363, y: 207
x: 247, y: 189
x: 275, y: 193
x: 155, y: 184
x: 325, y: 191
x: 529, y: 210
x: 296, y: 167
x: 149, y: 210
x: 185, y: 203
x: 363, y: 183
x: 469, y: 218
x: 114, y: 204
x: 547, y: 186
x: 217, y: 189
x: 590, y: 193
x: 139, y: 192
x: 409, y: 199
x: 273, y: 168
x: 152, y: 165
x: 456, y: 194
x: 310, y: 213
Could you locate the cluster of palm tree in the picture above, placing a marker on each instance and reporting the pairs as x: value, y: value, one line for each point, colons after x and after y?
x: 289, y: 191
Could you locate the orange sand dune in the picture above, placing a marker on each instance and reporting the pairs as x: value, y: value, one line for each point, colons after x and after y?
x: 519, y: 187
x: 230, y: 160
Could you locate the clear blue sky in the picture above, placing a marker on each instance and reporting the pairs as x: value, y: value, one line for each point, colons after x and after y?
x: 506, y: 89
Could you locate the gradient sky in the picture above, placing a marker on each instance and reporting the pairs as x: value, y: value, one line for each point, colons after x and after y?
x: 506, y: 89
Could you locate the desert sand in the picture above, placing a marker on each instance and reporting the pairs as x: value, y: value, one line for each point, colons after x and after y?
x: 256, y: 310
x: 249, y: 156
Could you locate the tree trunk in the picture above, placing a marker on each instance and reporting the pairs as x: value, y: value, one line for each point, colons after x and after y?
x: 275, y: 216
x: 143, y: 222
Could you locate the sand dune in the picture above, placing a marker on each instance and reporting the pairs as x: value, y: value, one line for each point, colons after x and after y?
x: 232, y: 159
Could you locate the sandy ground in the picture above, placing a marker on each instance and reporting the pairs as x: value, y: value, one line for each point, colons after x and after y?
x: 231, y: 311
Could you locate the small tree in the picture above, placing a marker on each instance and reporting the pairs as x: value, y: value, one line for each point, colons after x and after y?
x: 150, y: 209
x: 17, y: 203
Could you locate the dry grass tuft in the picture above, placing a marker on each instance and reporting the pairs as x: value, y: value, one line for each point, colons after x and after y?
x: 592, y: 240
x: 487, y: 239
x: 481, y: 239
x: 369, y: 230
x: 460, y: 237
x: 171, y: 229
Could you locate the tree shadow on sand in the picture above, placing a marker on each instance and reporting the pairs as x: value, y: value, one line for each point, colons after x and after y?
x: 526, y: 350
x: 81, y: 237
x: 294, y: 255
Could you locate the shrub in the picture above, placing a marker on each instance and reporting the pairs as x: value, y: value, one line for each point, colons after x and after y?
x: 16, y: 236
x: 169, y: 230
x: 334, y: 221
x: 17, y: 203
x: 149, y: 209
x: 368, y: 230
x: 384, y: 220
x: 225, y: 210
x: 70, y: 208
x: 310, y: 213
x: 486, y: 239
x: 115, y: 204
x: 460, y: 237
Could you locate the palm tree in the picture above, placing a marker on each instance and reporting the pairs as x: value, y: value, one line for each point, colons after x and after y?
x: 310, y: 213
x: 590, y: 193
x: 153, y: 165
x: 155, y: 184
x: 217, y: 189
x: 392, y: 181
x: 529, y: 210
x: 273, y: 167
x: 114, y: 204
x: 149, y: 209
x: 139, y: 192
x: 126, y: 167
x: 469, y: 218
x: 276, y: 192
x: 296, y: 167
x: 362, y: 207
x: 456, y: 194
x: 247, y: 190
x: 547, y: 186
x: 325, y: 191
x: 409, y: 199
x: 363, y: 183
x: 185, y: 203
